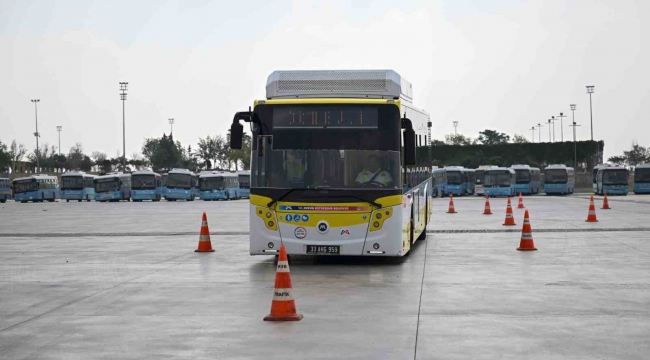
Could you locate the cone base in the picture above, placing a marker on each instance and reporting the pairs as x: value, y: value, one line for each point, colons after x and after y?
x: 198, y: 250
x: 513, y: 224
x: 607, y: 208
x: 591, y: 220
x: 451, y: 212
x: 526, y: 249
x: 270, y: 317
x: 487, y: 213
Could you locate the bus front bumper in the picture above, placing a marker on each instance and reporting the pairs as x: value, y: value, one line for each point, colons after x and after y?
x: 106, y: 196
x: 497, y: 191
x: 72, y: 195
x: 454, y: 190
x: 642, y: 188
x: 623, y: 190
x: 143, y: 195
x: 181, y: 194
x: 213, y: 195
x: 25, y: 197
x: 556, y: 188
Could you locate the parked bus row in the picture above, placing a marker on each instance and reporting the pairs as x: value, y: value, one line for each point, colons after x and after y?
x: 178, y: 184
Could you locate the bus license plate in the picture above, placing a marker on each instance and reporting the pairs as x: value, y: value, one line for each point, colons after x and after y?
x: 323, y: 249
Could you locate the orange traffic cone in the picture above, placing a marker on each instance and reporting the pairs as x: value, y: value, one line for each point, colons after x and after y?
x: 204, y: 238
x: 526, y: 243
x: 510, y: 220
x: 521, y: 202
x: 591, y: 217
x: 283, y: 307
x: 451, y: 210
x: 606, y: 203
x: 487, y: 210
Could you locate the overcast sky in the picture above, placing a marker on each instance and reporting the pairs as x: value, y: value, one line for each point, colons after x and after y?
x: 504, y: 65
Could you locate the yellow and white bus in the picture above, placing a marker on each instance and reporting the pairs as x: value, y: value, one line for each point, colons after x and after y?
x: 333, y: 164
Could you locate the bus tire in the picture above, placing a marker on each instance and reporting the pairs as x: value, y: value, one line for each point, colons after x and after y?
x: 67, y: 200
x: 80, y: 200
x: 3, y: 201
x: 23, y: 201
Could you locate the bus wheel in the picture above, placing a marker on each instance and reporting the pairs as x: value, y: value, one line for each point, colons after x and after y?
x: 80, y: 200
x: 67, y: 200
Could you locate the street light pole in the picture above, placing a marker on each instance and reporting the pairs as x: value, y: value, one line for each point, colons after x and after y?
x: 123, y: 88
x: 455, y: 127
x: 575, y: 146
x: 553, y: 120
x: 37, y: 135
x: 562, y: 116
x: 549, y: 131
x: 590, y: 90
x: 171, y: 124
x: 533, y: 132
x: 539, y: 127
x: 59, y: 128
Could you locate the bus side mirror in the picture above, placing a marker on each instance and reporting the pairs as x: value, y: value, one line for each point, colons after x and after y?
x: 409, y: 142
x: 236, y: 135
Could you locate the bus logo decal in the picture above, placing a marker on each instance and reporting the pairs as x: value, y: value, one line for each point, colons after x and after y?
x: 300, y: 232
x: 322, y: 227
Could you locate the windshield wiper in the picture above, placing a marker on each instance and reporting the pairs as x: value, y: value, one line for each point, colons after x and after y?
x: 362, y: 199
x: 274, y: 201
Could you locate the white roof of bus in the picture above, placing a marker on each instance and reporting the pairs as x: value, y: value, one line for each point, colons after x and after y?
x: 217, y: 174
x: 454, y: 167
x: 558, y: 166
x: 643, y: 166
x: 497, y: 168
x: 244, y: 172
x: 37, y: 176
x: 381, y: 84
x: 73, y: 173
x: 614, y: 168
x: 144, y: 172
x: 180, y: 171
x: 483, y: 167
x: 112, y: 175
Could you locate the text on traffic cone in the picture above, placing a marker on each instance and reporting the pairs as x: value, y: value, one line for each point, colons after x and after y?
x: 591, y: 217
x: 283, y: 306
x: 510, y: 220
x: 204, y: 237
x: 526, y: 243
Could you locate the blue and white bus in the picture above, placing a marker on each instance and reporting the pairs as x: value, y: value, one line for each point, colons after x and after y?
x: 455, y: 184
x: 146, y: 185
x: 77, y: 185
x: 529, y: 179
x: 499, y: 181
x: 469, y: 180
x: 36, y: 188
x: 642, y: 179
x: 218, y: 186
x: 480, y: 174
x: 113, y: 186
x: 612, y: 180
x: 439, y: 185
x: 244, y: 184
x: 594, y: 175
x: 163, y: 191
x: 5, y: 190
x: 181, y: 185
x: 559, y: 180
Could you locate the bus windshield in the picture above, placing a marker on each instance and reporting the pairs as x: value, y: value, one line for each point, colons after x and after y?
x: 642, y: 175
x: 615, y: 177
x: 556, y: 176
x: 244, y: 181
x: 4, y: 183
x: 337, y: 169
x: 72, y: 182
x: 497, y: 178
x: 143, y: 182
x: 211, y: 183
x: 105, y: 185
x: 523, y: 176
x: 454, y: 177
x: 179, y: 181
x: 23, y: 187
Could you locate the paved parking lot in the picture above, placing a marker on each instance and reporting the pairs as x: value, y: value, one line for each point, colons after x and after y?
x: 122, y: 281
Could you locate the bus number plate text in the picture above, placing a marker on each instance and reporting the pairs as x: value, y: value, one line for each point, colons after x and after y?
x: 323, y: 249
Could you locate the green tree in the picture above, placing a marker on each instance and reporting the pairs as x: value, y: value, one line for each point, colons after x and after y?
x: 75, y: 157
x: 163, y: 153
x: 519, y: 139
x: 491, y: 137
x: 637, y: 155
x: 618, y: 160
x: 17, y: 153
x: 5, y: 157
x: 458, y: 139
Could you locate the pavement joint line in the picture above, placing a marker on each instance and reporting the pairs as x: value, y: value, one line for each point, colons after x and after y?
x: 628, y: 245
x: 417, y: 326
x: 243, y: 233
